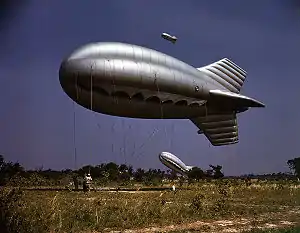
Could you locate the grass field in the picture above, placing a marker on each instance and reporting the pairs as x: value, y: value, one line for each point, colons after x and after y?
x: 206, y: 207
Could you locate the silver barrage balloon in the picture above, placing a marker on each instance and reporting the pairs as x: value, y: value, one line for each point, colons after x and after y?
x: 174, y: 163
x: 168, y: 37
x: 132, y: 81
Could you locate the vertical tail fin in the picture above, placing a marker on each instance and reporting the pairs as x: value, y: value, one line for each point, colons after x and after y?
x: 227, y: 73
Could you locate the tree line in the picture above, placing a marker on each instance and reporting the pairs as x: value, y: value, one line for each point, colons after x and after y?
x: 12, y: 173
x: 104, y: 173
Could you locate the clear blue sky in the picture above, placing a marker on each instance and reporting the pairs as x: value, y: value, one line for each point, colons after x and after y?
x: 36, y: 120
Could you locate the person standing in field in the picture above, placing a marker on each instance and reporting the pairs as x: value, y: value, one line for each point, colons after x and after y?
x: 87, y: 182
x: 173, y: 187
x: 75, y: 181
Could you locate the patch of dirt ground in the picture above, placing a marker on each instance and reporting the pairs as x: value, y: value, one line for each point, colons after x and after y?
x: 276, y: 220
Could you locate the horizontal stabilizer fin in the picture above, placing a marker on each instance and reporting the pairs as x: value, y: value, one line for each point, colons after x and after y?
x: 219, y: 129
x: 232, y: 99
x: 226, y: 73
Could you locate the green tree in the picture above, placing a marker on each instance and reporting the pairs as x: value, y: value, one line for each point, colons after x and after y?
x: 217, y: 171
x: 139, y: 174
x: 171, y: 175
x: 130, y: 171
x: 153, y: 177
x: 123, y: 172
x: 209, y: 173
x: 113, y: 170
x: 1, y: 161
x: 294, y: 165
x: 8, y: 170
x: 196, y: 173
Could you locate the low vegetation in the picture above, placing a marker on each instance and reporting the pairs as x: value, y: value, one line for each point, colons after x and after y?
x: 64, y: 211
x: 198, y: 204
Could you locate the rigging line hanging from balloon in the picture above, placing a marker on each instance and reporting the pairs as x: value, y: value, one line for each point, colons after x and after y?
x: 97, y: 123
x: 91, y: 87
x: 149, y: 139
x: 124, y: 140
x: 125, y: 131
x: 113, y: 149
x: 171, y: 135
x: 115, y: 101
x: 74, y: 136
x: 145, y: 142
x: 133, y: 142
x: 154, y: 131
x: 74, y: 122
x: 161, y: 107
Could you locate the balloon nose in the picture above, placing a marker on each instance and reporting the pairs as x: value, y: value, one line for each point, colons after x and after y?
x: 64, y: 73
x: 75, y: 67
